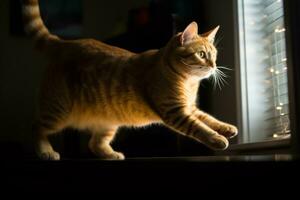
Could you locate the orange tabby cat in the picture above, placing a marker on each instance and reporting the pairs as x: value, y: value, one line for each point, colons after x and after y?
x: 95, y: 87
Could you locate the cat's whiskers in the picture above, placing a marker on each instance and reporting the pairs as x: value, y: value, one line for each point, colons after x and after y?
x: 219, y: 77
x: 226, y: 68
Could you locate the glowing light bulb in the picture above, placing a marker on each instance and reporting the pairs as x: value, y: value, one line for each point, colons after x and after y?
x: 272, y: 70
x: 279, y: 108
x: 279, y: 30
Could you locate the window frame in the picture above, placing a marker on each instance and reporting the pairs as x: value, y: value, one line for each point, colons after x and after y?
x: 292, y: 21
x: 241, y: 88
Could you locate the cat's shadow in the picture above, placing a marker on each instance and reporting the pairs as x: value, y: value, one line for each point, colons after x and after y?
x: 151, y: 141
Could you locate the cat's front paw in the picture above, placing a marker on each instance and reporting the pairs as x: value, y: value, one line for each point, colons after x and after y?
x: 213, y: 140
x: 227, y: 130
x: 217, y: 142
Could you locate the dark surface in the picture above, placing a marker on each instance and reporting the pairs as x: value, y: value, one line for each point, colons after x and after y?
x: 175, y: 175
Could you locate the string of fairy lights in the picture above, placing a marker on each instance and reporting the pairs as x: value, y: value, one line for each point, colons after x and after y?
x: 278, y: 71
x: 272, y: 18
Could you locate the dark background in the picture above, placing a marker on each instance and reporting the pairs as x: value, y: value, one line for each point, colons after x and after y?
x: 136, y: 25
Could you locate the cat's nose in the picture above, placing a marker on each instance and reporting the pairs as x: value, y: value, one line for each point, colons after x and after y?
x: 212, y: 64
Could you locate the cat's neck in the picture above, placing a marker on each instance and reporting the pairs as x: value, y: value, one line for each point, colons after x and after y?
x: 194, y: 79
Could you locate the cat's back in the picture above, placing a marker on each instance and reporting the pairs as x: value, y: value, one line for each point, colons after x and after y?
x: 92, y: 48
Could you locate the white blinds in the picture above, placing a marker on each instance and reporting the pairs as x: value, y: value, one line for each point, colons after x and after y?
x: 277, y: 79
x: 264, y: 69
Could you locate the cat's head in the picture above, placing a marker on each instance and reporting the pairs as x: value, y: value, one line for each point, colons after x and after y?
x: 194, y: 54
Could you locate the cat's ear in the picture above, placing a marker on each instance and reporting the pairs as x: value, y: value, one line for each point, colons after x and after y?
x: 190, y: 32
x: 210, y: 35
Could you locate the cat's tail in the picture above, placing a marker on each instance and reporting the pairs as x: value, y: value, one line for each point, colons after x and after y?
x: 34, y: 25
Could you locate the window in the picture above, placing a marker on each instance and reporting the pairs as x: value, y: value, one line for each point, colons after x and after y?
x: 263, y: 71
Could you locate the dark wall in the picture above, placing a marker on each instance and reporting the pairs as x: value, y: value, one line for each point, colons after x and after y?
x: 223, y: 103
x: 20, y: 73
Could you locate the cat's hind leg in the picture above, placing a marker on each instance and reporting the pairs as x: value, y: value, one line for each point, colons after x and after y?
x: 43, y: 146
x: 99, y: 144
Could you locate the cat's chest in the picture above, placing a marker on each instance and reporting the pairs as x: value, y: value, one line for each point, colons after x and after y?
x: 190, y: 89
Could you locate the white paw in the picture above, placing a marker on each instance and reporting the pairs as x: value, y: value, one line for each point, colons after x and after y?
x: 49, y: 155
x: 227, y: 130
x: 218, y: 142
x: 114, y: 156
x: 212, y: 140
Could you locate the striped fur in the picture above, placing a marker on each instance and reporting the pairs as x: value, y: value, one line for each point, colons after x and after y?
x: 96, y: 87
x: 33, y: 23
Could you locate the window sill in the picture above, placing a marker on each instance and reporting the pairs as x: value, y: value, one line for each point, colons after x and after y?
x: 261, y: 145
x: 280, y: 146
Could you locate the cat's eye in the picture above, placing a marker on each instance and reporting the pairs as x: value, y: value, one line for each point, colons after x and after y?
x: 202, y: 54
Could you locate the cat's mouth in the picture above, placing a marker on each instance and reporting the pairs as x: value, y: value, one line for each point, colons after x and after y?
x: 202, y: 71
x: 206, y: 69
